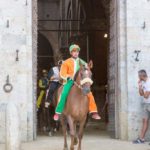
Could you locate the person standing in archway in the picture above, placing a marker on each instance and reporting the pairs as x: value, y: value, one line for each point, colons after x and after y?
x: 43, y: 84
x: 144, y: 91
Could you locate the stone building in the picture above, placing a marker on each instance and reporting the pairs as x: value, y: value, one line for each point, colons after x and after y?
x: 34, y: 34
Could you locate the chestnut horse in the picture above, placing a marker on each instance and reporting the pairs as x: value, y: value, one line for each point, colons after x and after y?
x: 77, y: 106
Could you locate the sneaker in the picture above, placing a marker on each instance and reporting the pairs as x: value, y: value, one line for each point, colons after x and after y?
x: 138, y: 141
x: 96, y: 116
x: 56, y: 117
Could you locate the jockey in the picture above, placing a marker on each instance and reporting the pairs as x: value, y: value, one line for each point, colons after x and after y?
x: 54, y: 78
x: 67, y: 72
x: 43, y: 84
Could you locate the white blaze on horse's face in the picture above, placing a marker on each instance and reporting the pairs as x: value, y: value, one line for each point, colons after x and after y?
x: 86, y: 80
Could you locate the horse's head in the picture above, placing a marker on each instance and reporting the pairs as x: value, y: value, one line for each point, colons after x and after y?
x: 85, y: 75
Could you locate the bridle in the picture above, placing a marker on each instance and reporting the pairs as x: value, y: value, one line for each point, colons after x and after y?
x: 78, y: 85
x: 82, y: 82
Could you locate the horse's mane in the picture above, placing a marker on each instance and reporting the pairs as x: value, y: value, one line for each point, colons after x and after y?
x: 76, y: 75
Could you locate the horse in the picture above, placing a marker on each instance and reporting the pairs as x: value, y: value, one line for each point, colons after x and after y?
x: 77, y: 106
x: 51, y: 125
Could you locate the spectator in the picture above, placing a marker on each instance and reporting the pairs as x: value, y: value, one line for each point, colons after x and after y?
x: 144, y: 91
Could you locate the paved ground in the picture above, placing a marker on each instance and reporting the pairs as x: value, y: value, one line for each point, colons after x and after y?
x: 94, y: 139
x: 90, y: 142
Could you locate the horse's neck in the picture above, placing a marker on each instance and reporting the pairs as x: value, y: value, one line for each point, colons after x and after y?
x: 78, y: 79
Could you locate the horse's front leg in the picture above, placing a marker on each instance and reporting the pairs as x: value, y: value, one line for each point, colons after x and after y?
x: 72, y: 131
x: 46, y: 118
x: 80, y: 134
x: 64, y: 132
x: 75, y: 137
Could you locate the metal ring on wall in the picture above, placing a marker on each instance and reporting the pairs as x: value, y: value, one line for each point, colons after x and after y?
x: 8, y: 87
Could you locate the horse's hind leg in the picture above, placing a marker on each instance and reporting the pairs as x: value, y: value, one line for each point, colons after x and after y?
x: 64, y: 132
x: 80, y: 134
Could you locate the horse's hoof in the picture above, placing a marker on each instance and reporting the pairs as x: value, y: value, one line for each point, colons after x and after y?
x: 65, y: 148
x: 47, y: 129
x: 75, y: 141
x: 50, y: 134
x: 55, y: 130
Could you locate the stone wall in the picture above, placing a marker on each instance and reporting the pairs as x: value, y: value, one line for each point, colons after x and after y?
x: 16, y: 34
x: 138, y: 34
x: 133, y: 33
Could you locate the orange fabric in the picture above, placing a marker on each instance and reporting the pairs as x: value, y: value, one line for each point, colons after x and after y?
x: 92, y: 104
x: 67, y: 69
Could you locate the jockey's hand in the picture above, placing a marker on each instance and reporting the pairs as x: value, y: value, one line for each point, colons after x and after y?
x: 69, y: 78
x: 47, y: 104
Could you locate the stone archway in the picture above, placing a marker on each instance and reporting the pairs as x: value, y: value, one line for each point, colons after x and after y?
x: 53, y: 39
x: 113, y: 63
x: 45, y: 53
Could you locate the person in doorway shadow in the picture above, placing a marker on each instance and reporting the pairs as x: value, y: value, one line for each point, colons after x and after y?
x: 43, y: 84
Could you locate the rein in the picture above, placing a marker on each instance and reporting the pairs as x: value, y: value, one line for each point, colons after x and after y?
x: 78, y: 85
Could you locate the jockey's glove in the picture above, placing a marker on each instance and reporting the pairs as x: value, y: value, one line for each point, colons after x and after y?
x: 69, y: 78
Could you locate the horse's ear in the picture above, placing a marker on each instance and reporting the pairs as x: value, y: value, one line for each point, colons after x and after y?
x: 90, y: 64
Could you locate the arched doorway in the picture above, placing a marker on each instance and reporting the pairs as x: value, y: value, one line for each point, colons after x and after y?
x: 45, y: 60
x: 45, y: 54
x: 89, y: 29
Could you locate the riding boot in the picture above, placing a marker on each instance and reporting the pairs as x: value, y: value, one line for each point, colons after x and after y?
x: 56, y: 117
x: 96, y: 116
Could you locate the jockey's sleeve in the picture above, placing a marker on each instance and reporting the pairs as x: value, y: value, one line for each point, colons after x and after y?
x: 83, y: 62
x: 64, y: 71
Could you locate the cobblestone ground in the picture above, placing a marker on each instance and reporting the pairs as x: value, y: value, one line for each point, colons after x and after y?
x: 94, y: 139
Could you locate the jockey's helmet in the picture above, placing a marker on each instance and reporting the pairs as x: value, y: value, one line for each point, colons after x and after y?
x: 74, y: 47
x: 44, y: 71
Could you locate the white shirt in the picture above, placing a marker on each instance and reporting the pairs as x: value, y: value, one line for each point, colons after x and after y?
x: 146, y: 88
x: 56, y: 73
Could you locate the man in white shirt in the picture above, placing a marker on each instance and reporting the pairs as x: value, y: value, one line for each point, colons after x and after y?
x: 144, y: 91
